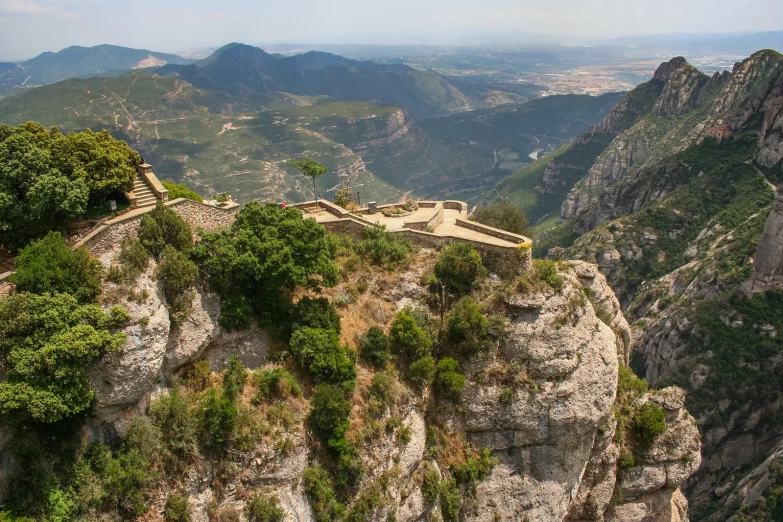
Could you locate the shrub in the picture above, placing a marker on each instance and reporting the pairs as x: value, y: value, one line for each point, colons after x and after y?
x: 316, y: 313
x: 349, y: 468
x: 275, y: 382
x: 342, y: 197
x: 176, y: 274
x: 134, y: 257
x: 199, y: 374
x: 178, y: 426
x: 450, y: 500
x: 329, y: 412
x: 320, y: 352
x: 449, y: 380
x: 375, y: 347
x: 430, y: 486
x: 180, y: 190
x: 507, y: 395
x: 176, y: 509
x: 218, y: 418
x: 162, y: 226
x: 318, y: 489
x: 383, y: 387
x: 48, y: 265
x: 474, y: 469
x: 264, y: 509
x: 422, y: 371
x: 124, y: 478
x: 543, y: 272
x: 46, y: 342
x: 504, y: 216
x: 467, y: 330
x: 459, y: 268
x: 235, y: 312
x: 648, y: 423
x: 406, y: 338
x: 234, y: 379
x: 383, y: 248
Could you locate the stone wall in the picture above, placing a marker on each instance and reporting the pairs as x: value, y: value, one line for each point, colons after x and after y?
x: 432, y: 222
x: 197, y: 215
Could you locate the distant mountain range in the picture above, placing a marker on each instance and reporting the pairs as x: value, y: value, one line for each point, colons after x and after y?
x: 245, y: 70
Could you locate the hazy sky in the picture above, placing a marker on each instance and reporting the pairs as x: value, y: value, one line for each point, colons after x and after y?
x: 28, y: 27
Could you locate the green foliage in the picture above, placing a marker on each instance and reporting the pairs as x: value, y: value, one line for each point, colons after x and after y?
x: 310, y: 168
x: 430, y: 486
x: 342, y: 198
x: 422, y: 370
x: 176, y: 509
x: 264, y: 509
x: 383, y: 248
x: 459, y: 268
x: 48, y: 265
x: 218, y: 419
x: 46, y: 342
x: 319, y: 490
x: 543, y: 273
x: 475, y: 469
x: 504, y: 216
x: 198, y: 376
x: 234, y: 378
x: 649, y: 421
x: 162, y: 226
x: 48, y: 179
x: 266, y: 254
x: 276, y: 383
x: 316, y: 313
x: 176, y: 274
x: 406, y: 338
x: 450, y: 500
x: 383, y: 387
x: 374, y: 347
x: 134, y: 257
x: 449, y: 380
x: 769, y: 506
x: 180, y: 190
x: 320, y: 352
x: 329, y: 412
x: 467, y: 330
x: 177, y: 425
x: 124, y: 477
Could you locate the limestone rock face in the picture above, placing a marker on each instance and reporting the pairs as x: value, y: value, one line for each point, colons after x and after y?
x: 681, y: 91
x: 768, y: 260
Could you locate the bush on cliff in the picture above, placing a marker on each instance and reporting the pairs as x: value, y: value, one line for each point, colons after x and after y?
x: 406, y: 338
x: 176, y: 274
x: 504, y: 216
x: 48, y: 265
x: 375, y: 347
x: 163, y: 227
x: 649, y: 421
x: 46, y: 343
x: 383, y: 248
x: 319, y: 351
x: 459, y: 268
x: 180, y: 190
x: 262, y: 258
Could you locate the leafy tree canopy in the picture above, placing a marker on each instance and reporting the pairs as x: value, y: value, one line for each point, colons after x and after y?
x: 48, y: 178
x: 48, y: 265
x: 265, y: 255
x: 310, y: 168
x: 459, y: 268
x: 163, y: 227
x: 180, y: 190
x: 45, y: 343
x: 504, y: 216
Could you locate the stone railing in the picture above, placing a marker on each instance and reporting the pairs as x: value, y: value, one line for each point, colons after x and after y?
x: 198, y: 216
x: 430, y: 223
x: 145, y: 171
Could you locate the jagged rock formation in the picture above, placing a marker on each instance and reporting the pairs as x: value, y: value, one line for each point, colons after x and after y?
x: 748, y: 101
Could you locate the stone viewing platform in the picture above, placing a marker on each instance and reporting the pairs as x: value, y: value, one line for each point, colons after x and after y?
x: 432, y: 223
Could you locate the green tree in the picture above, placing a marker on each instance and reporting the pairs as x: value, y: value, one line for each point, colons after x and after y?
x: 406, y: 338
x: 176, y: 274
x: 329, y: 412
x: 422, y: 371
x: 46, y: 342
x: 467, y: 330
x: 218, y: 418
x: 264, y: 509
x: 234, y: 378
x: 449, y: 380
x: 163, y: 227
x: 374, y: 347
x: 320, y: 352
x: 504, y: 216
x: 318, y: 489
x: 267, y: 253
x: 316, y: 313
x: 649, y: 421
x: 48, y: 179
x: 459, y: 268
x: 383, y: 248
x: 48, y: 265
x: 311, y: 168
x: 176, y: 509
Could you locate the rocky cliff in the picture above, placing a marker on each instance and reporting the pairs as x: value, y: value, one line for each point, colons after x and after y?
x: 542, y: 400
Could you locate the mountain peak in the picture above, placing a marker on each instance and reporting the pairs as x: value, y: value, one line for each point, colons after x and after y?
x: 666, y: 69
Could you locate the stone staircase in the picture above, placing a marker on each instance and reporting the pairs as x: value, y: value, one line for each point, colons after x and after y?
x: 145, y: 197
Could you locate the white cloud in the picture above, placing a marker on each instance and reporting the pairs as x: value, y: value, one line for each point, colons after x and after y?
x: 36, y: 7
